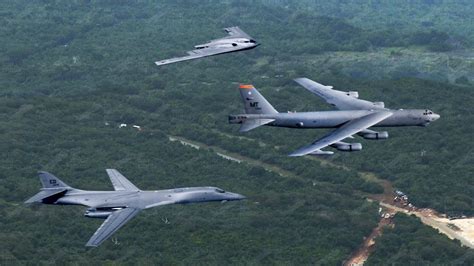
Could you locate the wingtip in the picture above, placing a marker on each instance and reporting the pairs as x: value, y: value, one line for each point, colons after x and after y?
x: 294, y: 155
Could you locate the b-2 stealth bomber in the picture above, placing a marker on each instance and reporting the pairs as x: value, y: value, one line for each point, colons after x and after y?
x: 354, y: 116
x: 237, y: 40
x: 121, y: 205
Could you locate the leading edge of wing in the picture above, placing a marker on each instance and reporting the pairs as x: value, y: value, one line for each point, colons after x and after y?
x: 236, y: 32
x: 339, y: 99
x: 321, y: 90
x: 346, y: 130
x: 113, y: 223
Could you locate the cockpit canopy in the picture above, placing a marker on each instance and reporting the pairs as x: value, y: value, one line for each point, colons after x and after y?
x: 218, y: 190
x: 250, y: 41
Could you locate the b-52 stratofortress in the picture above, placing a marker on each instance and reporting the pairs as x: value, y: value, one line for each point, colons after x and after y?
x: 236, y: 41
x: 121, y: 205
x: 355, y: 116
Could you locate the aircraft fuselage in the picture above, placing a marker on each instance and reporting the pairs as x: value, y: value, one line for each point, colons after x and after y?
x: 333, y: 119
x: 144, y: 199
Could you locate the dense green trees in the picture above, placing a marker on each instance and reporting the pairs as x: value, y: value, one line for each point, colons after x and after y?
x: 71, y: 72
x: 408, y: 242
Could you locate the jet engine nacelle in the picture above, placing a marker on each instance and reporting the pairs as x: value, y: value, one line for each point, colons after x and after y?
x: 376, y: 135
x: 379, y: 104
x: 320, y: 152
x: 353, y: 94
x: 342, y: 146
x: 93, y: 213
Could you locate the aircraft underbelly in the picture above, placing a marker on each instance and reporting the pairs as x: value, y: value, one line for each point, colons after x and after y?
x: 310, y: 122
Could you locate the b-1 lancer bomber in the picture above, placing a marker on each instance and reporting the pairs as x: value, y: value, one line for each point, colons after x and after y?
x: 237, y: 40
x: 354, y: 116
x: 119, y: 206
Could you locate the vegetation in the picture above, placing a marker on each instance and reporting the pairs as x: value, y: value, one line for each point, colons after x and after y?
x: 71, y: 72
x: 406, y: 243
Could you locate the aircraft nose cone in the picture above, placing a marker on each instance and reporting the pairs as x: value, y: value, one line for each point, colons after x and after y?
x: 436, y: 117
x: 238, y: 196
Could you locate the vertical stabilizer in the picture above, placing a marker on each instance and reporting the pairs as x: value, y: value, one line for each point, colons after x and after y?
x: 50, y: 181
x: 254, y: 102
x: 52, y: 190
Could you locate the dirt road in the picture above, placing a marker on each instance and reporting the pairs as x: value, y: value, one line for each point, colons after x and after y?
x: 385, y: 199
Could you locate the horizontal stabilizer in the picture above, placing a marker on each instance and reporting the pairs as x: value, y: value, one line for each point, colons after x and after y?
x: 250, y: 124
x: 45, y: 194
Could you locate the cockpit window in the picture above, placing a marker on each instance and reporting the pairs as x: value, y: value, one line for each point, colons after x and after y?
x: 428, y: 112
x: 252, y: 41
x: 220, y: 190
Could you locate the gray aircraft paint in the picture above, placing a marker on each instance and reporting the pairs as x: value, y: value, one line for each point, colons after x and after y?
x: 354, y: 116
x: 333, y: 119
x: 237, y: 40
x: 124, y: 203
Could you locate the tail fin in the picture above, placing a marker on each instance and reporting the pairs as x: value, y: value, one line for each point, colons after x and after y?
x: 254, y: 102
x: 50, y: 181
x: 52, y: 190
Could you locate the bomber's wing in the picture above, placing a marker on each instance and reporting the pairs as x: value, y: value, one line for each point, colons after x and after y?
x: 339, y: 99
x: 236, y: 32
x: 120, y: 182
x: 348, y: 129
x: 198, y: 53
x: 209, y: 49
x: 113, y: 223
x: 179, y: 59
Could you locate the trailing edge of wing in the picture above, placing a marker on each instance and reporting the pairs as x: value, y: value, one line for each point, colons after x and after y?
x: 119, y: 181
x: 179, y: 59
x: 343, y: 132
x: 254, y: 123
x: 113, y: 223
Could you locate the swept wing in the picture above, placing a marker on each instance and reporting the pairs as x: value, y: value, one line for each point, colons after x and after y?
x: 214, y: 47
x: 120, y: 182
x: 348, y: 129
x: 113, y: 223
x: 339, y: 99
x: 236, y: 32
